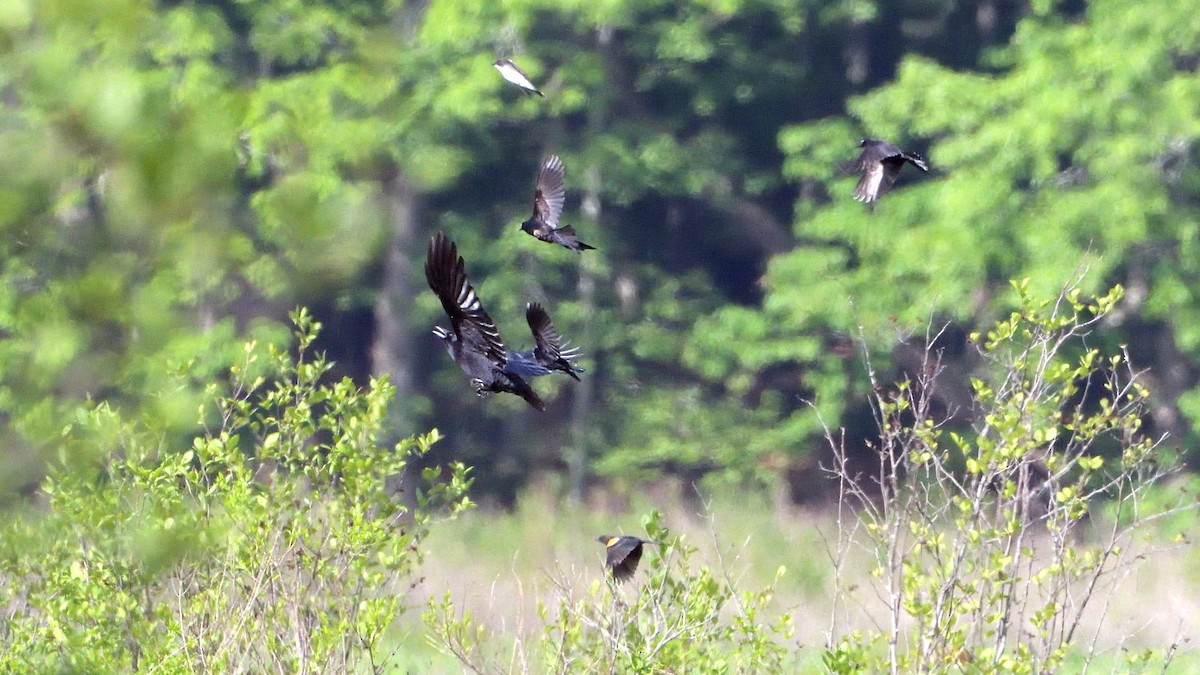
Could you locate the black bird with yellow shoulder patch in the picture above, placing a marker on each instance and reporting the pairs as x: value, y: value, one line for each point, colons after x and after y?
x: 623, y: 553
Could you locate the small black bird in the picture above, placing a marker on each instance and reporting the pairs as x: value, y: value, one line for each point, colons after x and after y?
x: 623, y: 556
x: 473, y: 341
x: 548, y: 199
x: 510, y: 71
x: 549, y: 355
x: 880, y: 163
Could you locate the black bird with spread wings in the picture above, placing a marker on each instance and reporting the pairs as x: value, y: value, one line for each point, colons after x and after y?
x: 880, y: 163
x: 622, y: 554
x: 548, y: 200
x: 549, y: 354
x: 473, y: 340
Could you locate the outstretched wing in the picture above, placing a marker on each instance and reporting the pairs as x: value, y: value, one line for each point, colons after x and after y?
x: 870, y: 163
x: 880, y: 163
x: 623, y: 556
x: 549, y: 195
x: 547, y: 339
x: 872, y: 181
x: 446, y: 274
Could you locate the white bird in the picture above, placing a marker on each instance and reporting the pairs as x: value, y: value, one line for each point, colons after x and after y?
x: 510, y: 71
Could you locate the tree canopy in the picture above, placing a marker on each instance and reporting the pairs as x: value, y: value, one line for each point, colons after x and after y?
x: 180, y: 175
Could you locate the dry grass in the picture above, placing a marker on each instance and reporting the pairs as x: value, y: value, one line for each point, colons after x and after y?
x: 499, y: 565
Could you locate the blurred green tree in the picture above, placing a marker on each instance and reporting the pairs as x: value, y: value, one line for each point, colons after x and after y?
x: 184, y: 171
x: 119, y: 133
x: 183, y: 174
x: 667, y: 116
x: 1074, y: 157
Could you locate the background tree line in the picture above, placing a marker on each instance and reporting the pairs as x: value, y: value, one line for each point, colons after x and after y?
x: 181, y: 174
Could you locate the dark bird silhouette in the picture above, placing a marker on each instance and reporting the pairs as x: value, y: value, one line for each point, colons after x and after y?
x: 548, y: 199
x: 510, y: 71
x: 473, y: 340
x: 549, y: 354
x: 623, y: 554
x: 880, y: 163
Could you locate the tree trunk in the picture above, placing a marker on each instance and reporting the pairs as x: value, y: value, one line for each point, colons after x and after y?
x: 581, y: 408
x: 390, y: 349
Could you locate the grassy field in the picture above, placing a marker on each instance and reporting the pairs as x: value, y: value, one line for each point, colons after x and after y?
x: 499, y: 565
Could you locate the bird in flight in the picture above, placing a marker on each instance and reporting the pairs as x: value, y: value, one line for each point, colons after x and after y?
x: 510, y: 71
x: 622, y: 554
x: 548, y: 197
x: 472, y: 340
x: 549, y: 354
x: 880, y: 163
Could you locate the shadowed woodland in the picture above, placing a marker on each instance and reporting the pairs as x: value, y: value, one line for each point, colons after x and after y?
x: 182, y: 175
x: 179, y: 176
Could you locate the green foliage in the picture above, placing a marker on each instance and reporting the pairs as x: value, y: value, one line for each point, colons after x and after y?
x: 270, y: 543
x: 180, y: 174
x: 115, y: 223
x: 1058, y: 152
x: 166, y: 163
x: 983, y: 554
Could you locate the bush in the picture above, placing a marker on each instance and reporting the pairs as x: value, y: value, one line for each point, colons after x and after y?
x: 269, y: 544
x: 983, y: 557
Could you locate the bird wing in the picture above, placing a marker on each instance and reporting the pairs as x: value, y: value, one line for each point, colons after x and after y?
x: 549, y: 196
x: 547, y: 339
x: 446, y: 274
x: 869, y: 185
x: 623, y: 556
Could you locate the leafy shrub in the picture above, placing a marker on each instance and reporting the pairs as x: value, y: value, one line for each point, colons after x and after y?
x: 269, y: 544
x: 984, y: 552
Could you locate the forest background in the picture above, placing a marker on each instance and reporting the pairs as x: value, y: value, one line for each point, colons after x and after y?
x: 180, y: 175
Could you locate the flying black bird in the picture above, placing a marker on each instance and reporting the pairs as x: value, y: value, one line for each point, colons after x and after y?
x: 623, y: 555
x: 548, y: 355
x: 473, y: 340
x: 510, y: 71
x: 880, y: 162
x: 548, y: 199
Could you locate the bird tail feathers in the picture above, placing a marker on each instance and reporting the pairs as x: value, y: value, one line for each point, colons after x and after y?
x: 571, y: 240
